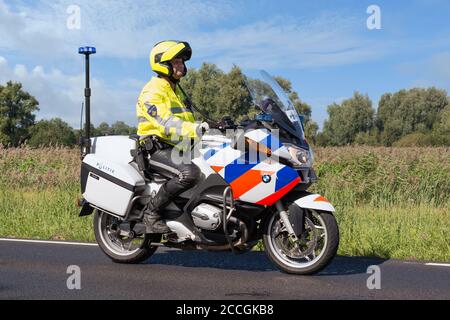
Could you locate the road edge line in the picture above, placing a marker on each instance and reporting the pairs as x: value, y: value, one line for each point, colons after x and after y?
x: 50, y: 242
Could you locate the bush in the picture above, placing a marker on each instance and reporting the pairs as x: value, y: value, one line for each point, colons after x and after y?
x: 416, y: 139
x: 419, y: 139
x: 54, y: 132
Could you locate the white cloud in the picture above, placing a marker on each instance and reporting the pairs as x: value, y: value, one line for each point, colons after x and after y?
x: 129, y: 29
x: 440, y: 65
x: 288, y: 43
x: 117, y: 28
x: 319, y: 112
x: 60, y: 95
x: 29, y: 33
x: 432, y: 71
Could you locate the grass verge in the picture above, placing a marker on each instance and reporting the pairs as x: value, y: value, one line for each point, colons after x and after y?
x: 412, y: 232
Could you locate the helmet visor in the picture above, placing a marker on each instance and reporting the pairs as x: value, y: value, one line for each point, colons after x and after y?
x: 181, y: 50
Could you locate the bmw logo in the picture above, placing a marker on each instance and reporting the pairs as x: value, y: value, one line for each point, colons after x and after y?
x: 266, y: 178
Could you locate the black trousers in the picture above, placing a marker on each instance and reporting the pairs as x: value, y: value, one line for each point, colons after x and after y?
x: 182, y: 176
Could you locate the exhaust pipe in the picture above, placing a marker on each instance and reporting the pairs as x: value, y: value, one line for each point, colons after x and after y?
x: 239, y: 242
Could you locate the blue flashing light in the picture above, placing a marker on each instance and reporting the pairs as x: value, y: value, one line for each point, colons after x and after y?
x: 87, y: 50
x: 264, y: 117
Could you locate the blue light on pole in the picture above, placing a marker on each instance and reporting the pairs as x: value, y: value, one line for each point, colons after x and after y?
x: 86, y: 140
x: 87, y: 50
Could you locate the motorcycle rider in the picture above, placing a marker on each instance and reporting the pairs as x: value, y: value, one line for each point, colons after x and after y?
x: 163, y: 112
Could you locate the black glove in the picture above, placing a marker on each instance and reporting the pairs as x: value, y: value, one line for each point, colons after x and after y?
x: 202, y: 128
x: 213, y: 125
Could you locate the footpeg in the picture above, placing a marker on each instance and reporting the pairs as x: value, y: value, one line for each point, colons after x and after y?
x: 139, y: 228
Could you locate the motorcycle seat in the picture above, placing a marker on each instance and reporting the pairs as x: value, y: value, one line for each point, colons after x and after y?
x: 134, y: 137
x: 158, y: 177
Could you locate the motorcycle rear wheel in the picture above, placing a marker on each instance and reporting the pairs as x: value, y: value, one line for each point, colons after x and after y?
x: 119, y: 248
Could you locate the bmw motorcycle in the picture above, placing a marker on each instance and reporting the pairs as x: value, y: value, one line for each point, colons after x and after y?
x: 253, y: 188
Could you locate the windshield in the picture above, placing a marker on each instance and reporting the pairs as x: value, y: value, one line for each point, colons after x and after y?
x: 268, y: 95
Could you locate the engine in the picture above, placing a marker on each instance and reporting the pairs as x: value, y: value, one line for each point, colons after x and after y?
x: 206, y: 216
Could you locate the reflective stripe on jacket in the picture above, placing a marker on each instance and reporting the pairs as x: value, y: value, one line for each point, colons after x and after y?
x: 161, y: 112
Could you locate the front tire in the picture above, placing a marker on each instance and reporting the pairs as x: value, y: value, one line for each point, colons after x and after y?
x: 318, y: 245
x: 118, y: 247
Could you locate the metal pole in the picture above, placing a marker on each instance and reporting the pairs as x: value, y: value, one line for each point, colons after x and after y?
x: 86, y: 139
x: 87, y: 95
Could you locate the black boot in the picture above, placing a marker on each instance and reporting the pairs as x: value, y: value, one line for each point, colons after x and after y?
x: 152, y: 217
x: 154, y: 223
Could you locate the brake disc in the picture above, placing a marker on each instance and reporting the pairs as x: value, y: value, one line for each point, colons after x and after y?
x: 301, y: 248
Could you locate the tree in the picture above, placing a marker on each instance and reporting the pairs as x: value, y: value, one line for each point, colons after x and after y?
x: 16, y: 113
x: 311, y: 129
x: 53, y: 132
x: 219, y: 94
x: 302, y: 107
x: 353, y: 116
x: 323, y: 139
x: 132, y: 130
x: 442, y: 126
x: 441, y: 129
x: 203, y: 87
x: 104, y: 129
x: 370, y: 138
x: 409, y: 111
x: 79, y: 133
x: 234, y: 99
x: 120, y: 128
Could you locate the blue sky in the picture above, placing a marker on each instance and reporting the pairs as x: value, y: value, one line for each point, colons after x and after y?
x: 323, y: 47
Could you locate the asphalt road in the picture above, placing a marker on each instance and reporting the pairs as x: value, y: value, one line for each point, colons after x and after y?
x: 39, y: 271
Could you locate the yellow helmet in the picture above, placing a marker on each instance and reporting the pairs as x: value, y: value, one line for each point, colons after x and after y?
x: 165, y: 51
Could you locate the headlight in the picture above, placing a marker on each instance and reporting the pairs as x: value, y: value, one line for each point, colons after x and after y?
x: 301, y: 157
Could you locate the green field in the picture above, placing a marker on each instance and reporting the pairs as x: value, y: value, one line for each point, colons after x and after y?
x: 391, y: 202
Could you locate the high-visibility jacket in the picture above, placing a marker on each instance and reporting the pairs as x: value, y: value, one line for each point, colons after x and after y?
x: 161, y: 112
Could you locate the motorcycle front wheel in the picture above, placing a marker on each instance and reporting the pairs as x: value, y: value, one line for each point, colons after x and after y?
x: 313, y: 251
x: 119, y: 247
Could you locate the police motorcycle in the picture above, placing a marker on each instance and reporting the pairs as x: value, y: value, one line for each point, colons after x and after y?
x: 253, y: 187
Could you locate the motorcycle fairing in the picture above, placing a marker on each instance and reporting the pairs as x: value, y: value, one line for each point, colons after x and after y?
x: 260, y: 180
x: 315, y: 202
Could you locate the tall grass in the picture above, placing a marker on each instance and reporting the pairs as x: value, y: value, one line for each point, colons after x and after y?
x: 44, y: 214
x: 384, y: 176
x: 404, y: 232
x: 38, y: 169
x: 391, y: 202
